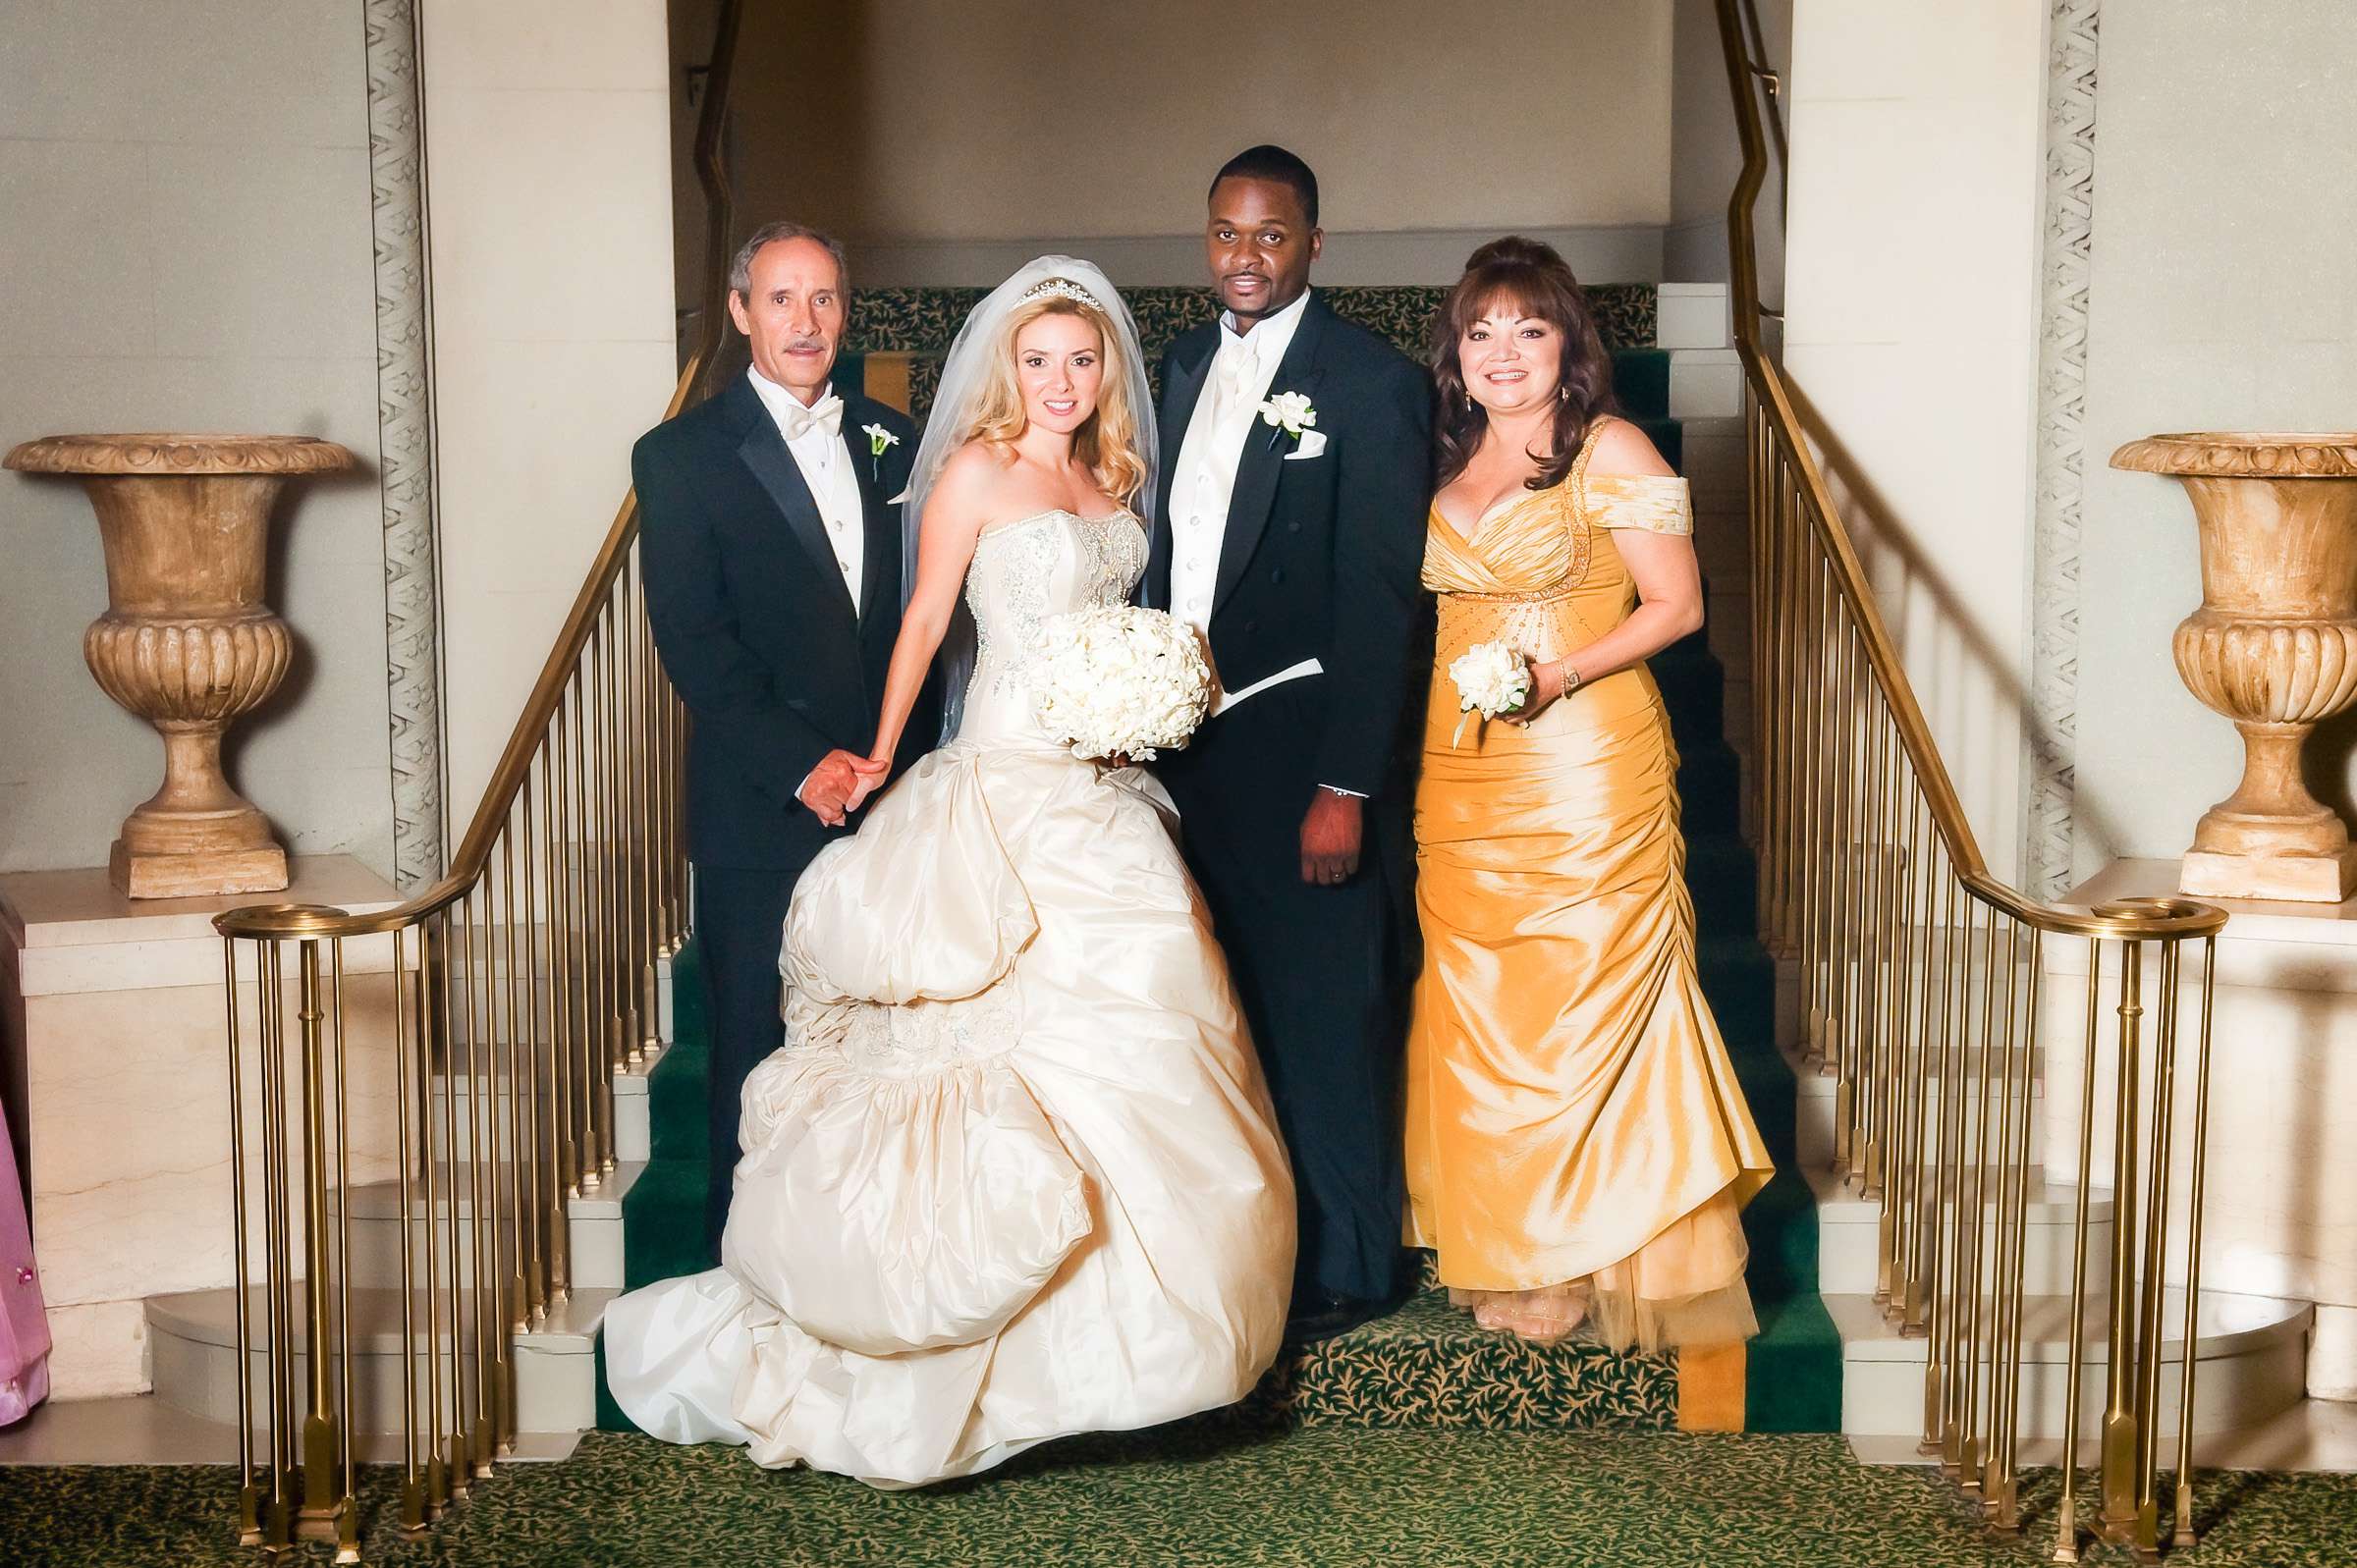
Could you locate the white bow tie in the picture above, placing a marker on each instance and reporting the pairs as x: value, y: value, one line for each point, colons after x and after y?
x: 825, y: 415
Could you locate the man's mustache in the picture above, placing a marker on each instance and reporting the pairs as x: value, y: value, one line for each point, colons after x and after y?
x: 806, y: 345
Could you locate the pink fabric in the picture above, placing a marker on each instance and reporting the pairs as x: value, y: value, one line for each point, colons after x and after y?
x: 23, y: 1326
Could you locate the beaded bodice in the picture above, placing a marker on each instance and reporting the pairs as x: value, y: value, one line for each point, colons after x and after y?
x: 1022, y: 574
x: 1540, y: 571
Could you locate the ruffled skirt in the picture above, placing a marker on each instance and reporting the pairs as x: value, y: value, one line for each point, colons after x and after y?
x: 1015, y: 1174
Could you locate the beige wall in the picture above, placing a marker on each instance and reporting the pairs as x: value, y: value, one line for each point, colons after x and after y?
x: 1912, y: 300
x: 2224, y: 296
x: 549, y: 170
x: 922, y: 130
x: 185, y: 245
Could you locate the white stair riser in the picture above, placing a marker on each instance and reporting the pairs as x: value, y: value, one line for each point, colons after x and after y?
x: 1814, y: 1120
x: 551, y: 1388
x: 1886, y: 1398
x: 632, y: 1131
x: 594, y: 1257
x: 1847, y: 1253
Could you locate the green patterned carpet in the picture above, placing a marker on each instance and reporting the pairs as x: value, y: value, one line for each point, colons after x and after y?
x: 1184, y: 1497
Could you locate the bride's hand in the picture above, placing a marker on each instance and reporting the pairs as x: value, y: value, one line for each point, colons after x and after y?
x: 868, y: 777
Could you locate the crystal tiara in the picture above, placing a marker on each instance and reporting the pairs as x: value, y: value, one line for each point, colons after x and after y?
x: 1066, y: 288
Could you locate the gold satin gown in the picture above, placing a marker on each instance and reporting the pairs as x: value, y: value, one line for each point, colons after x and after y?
x: 1576, y: 1140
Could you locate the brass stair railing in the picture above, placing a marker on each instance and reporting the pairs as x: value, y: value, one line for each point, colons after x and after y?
x: 1922, y: 982
x: 521, y: 983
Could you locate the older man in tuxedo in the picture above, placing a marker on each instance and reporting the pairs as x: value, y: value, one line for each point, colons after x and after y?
x: 1294, y: 544
x: 773, y: 563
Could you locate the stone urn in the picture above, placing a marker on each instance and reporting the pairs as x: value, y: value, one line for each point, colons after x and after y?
x: 2272, y: 647
x: 186, y: 642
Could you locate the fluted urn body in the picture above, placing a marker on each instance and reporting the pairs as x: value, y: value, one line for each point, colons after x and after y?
x: 2272, y: 647
x: 186, y: 642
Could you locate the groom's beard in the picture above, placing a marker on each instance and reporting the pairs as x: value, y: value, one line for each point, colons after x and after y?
x: 1256, y: 306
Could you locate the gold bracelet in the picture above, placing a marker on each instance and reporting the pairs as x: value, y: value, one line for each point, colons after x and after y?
x: 1569, y: 679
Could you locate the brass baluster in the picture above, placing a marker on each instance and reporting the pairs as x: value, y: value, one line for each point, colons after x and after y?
x: 347, y: 1508
x: 2119, y: 1415
x: 549, y: 1136
x: 1972, y: 1215
x: 518, y: 1210
x: 456, y: 1467
x: 278, y: 1515
x: 249, y: 1491
x: 482, y: 1157
x: 2183, y: 1536
x: 1923, y: 1180
x: 2067, y: 1522
x: 320, y: 1498
x: 1839, y: 914
x: 2008, y: 1489
x: 2146, y: 1537
x: 413, y: 1504
x: 561, y: 930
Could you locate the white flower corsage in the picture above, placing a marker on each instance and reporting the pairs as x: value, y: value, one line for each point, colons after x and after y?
x: 1491, y: 679
x: 879, y: 442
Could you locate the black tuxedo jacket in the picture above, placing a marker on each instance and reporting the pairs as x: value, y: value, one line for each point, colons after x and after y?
x: 753, y: 620
x: 1322, y: 556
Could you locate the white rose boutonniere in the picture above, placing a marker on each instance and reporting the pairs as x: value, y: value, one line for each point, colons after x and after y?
x: 879, y: 442
x: 1291, y: 412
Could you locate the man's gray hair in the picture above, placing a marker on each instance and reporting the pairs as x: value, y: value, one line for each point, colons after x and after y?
x: 741, y: 270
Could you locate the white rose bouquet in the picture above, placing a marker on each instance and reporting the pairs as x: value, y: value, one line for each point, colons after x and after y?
x: 1120, y: 681
x: 1491, y: 679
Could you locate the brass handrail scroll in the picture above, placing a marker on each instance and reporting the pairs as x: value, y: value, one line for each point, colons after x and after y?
x: 1930, y: 991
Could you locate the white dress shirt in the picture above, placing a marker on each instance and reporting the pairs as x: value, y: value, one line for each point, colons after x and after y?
x: 1225, y: 413
x: 814, y: 435
x: 1242, y: 369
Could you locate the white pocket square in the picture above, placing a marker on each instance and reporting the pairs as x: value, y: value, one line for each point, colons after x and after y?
x: 1310, y: 446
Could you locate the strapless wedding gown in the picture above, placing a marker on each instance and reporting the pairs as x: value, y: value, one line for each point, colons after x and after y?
x: 1015, y: 1174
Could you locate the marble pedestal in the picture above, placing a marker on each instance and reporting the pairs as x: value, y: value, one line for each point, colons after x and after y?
x: 113, y: 1067
x: 2282, y: 1201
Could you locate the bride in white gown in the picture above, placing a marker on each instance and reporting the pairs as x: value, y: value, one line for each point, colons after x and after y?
x: 1014, y: 1173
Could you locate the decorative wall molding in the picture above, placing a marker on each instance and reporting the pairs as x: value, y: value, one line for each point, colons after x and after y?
x: 1629, y: 254
x: 405, y: 417
x: 2061, y: 442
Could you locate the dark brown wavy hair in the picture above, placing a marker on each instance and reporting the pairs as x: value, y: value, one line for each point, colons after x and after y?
x: 1531, y: 278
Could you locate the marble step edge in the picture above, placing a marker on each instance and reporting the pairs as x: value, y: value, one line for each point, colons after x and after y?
x: 210, y: 1317
x: 629, y: 1077
x: 2227, y: 1324
x: 2047, y: 1203
x: 150, y: 1429
x: 381, y: 1200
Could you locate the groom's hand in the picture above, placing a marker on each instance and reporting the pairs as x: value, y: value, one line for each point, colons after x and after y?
x: 1330, y: 839
x: 832, y: 789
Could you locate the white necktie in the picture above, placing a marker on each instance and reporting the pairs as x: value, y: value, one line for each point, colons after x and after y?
x: 825, y: 415
x: 1240, y: 360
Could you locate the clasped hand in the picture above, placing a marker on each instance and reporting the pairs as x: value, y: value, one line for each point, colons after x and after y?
x: 840, y: 784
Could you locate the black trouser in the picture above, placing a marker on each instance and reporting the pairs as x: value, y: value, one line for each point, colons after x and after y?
x: 1317, y: 969
x: 740, y: 930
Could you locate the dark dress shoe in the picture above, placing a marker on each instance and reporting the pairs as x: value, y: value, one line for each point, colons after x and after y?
x: 1323, y: 1314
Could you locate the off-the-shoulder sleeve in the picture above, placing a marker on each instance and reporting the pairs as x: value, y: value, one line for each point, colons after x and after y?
x: 1654, y: 503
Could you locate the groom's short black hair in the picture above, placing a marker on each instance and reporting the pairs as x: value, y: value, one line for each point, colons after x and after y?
x: 1278, y: 167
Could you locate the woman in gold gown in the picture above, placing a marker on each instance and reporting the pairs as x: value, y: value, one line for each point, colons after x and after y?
x: 1577, y: 1147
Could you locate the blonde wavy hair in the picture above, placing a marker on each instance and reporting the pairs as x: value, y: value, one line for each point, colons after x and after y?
x: 1108, y: 439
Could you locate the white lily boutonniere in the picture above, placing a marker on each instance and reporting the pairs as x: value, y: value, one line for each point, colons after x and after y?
x: 879, y: 442
x: 1293, y: 413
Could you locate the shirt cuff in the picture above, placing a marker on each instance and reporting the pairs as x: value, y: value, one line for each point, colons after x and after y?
x: 1347, y: 794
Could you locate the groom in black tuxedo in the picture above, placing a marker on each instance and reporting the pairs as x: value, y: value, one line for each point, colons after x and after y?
x: 1295, y: 546
x: 772, y: 556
